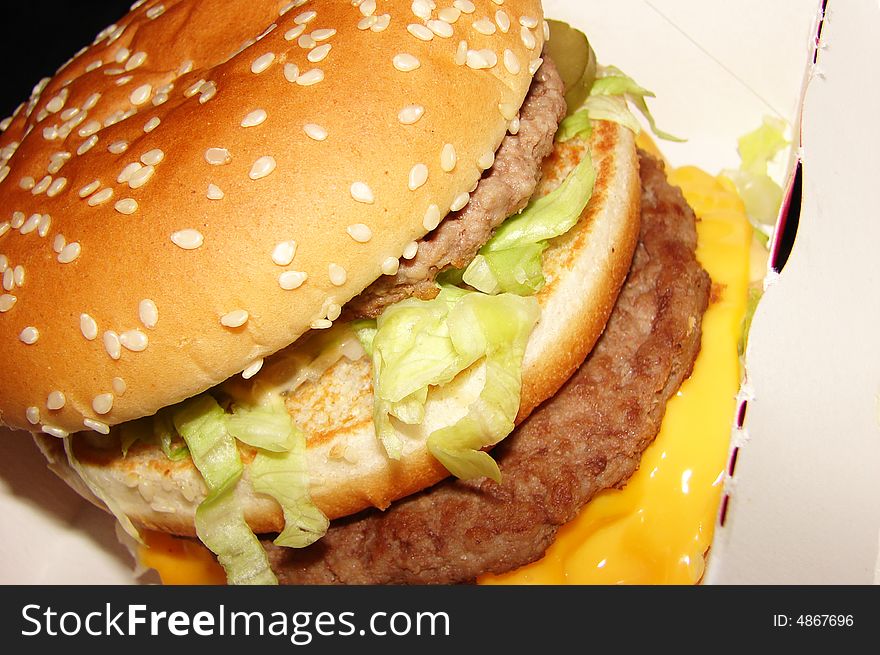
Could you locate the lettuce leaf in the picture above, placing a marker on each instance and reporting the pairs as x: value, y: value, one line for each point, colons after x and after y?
x: 220, y: 522
x: 419, y: 344
x: 510, y: 262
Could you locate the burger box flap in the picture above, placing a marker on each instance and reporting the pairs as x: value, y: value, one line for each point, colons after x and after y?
x: 802, y: 502
x: 717, y: 68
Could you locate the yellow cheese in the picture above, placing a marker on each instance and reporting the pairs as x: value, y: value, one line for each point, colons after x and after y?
x: 658, y: 528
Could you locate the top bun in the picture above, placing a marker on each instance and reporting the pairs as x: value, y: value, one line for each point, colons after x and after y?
x: 211, y: 179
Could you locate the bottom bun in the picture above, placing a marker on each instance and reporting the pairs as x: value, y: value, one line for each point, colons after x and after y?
x: 348, y: 468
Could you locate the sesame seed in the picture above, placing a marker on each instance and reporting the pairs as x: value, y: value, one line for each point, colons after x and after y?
x: 449, y: 14
x: 460, y: 201
x: 56, y: 187
x: 465, y: 6
x: 17, y: 220
x: 534, y: 65
x: 148, y: 313
x: 97, y: 426
x: 323, y: 35
x: 362, y: 193
x: 140, y: 177
x: 119, y: 386
x: 418, y: 175
x: 69, y: 253
x: 134, y: 340
x: 29, y: 335
x: 284, y: 252
x: 126, y: 206
x: 511, y: 62
x: 291, y: 72
x: 305, y: 17
x: 121, y: 55
x: 432, y: 218
x: 30, y: 224
x: 420, y: 31
x: 55, y: 400
x: 4, y: 260
x: 193, y: 89
x: 481, y: 59
x: 215, y: 192
x: 322, y: 324
x: 440, y: 28
x: 136, y: 60
x: 234, y: 319
x: 207, y: 91
x: 405, y: 62
x: 55, y: 432
x: 33, y: 415
x: 152, y: 124
x: 360, y: 232
x: 306, y: 42
x: 187, y: 239
x: 88, y: 326
x: 8, y: 279
x: 527, y: 37
x: 27, y: 183
x: 254, y: 118
x: 155, y: 11
x: 503, y: 21
x: 87, y: 145
x: 89, y: 189
x: 91, y: 101
x: 118, y: 147
x: 262, y: 167
x: 4, y: 228
x: 128, y: 171
x: 367, y: 22
x: 152, y: 157
x: 185, y: 67
x: 381, y: 24
x: 294, y: 33
x: 461, y: 53
x: 319, y: 53
x: 507, y: 110
x: 18, y: 275
x: 6, y: 302
x: 112, y: 344
x: 95, y: 65
x: 314, y: 131
x: 252, y: 370
x: 4, y: 171
x: 422, y: 9
x: 546, y: 29
x: 368, y: 7
x: 411, y: 250
x: 486, y: 160
x: 310, y: 77
x: 290, y: 280
x: 58, y: 243
x: 42, y: 185
x: 141, y: 94
x: 410, y: 114
x: 337, y: 274
x: 217, y: 156
x: 448, y: 157
x: 528, y: 21
x: 262, y: 62
x: 102, y: 403
x: 484, y: 26
x: 390, y: 266
x: 45, y: 223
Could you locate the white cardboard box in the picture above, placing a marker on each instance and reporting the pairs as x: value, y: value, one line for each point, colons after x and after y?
x: 803, y: 505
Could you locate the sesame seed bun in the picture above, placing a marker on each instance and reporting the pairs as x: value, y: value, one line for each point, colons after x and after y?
x: 348, y: 469
x: 153, y: 190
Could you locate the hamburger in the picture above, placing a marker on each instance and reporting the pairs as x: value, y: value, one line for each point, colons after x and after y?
x: 225, y: 324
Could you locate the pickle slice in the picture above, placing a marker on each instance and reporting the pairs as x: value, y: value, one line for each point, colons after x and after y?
x: 574, y: 58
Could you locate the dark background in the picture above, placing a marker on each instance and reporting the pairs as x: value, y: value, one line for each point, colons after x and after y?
x: 40, y: 35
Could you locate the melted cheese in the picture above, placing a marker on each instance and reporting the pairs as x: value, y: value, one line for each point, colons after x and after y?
x: 658, y: 528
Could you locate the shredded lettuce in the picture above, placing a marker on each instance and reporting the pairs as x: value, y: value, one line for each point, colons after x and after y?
x: 365, y: 329
x: 760, y: 194
x: 510, y: 262
x: 220, y: 522
x: 576, y: 124
x: 95, y: 487
x: 264, y: 426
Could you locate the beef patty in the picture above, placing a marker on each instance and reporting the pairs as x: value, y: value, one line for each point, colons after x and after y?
x: 588, y: 437
x: 503, y: 190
